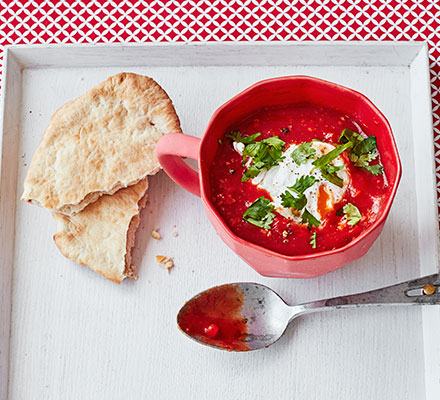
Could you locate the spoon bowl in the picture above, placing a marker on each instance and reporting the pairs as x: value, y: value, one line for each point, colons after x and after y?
x: 267, y: 315
x: 251, y: 316
x: 248, y: 316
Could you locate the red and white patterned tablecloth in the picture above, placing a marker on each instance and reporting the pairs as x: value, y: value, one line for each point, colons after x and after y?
x: 236, y: 20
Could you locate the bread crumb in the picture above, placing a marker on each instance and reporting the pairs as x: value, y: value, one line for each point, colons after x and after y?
x: 156, y: 234
x: 165, y: 262
x: 131, y: 273
x: 175, y: 234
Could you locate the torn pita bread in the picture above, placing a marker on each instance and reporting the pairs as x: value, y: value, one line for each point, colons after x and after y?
x: 102, y: 235
x: 101, y: 142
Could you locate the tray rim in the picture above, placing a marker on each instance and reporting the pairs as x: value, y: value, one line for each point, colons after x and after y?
x: 21, y: 51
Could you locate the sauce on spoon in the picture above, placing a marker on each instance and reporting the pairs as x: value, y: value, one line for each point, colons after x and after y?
x: 215, y: 317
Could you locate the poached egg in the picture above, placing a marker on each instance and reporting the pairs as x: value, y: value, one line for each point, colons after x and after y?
x: 321, y: 196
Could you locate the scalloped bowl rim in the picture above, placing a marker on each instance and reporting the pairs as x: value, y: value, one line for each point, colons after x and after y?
x: 386, y: 207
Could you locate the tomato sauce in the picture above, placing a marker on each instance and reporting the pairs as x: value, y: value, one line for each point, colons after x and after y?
x: 214, y: 317
x: 294, y: 124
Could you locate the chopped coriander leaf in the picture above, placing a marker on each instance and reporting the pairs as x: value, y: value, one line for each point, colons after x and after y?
x: 331, y: 169
x: 313, y: 240
x: 256, y: 149
x: 299, y: 187
x: 260, y: 213
x: 274, y: 141
x: 275, y: 154
x: 352, y: 214
x: 287, y: 200
x: 251, y: 172
x: 332, y: 177
x: 274, y: 147
x: 329, y: 173
x: 236, y: 137
x: 264, y: 154
x: 331, y: 155
x: 348, y: 135
x: 376, y: 169
x: 309, y: 218
x: 365, y: 146
x: 364, y: 151
x: 303, y: 183
x: 303, y: 152
x: 364, y: 159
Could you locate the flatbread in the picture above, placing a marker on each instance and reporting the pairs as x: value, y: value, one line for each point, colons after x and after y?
x: 99, y: 143
x: 102, y: 235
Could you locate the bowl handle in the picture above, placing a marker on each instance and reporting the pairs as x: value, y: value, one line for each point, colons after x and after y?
x: 169, y: 150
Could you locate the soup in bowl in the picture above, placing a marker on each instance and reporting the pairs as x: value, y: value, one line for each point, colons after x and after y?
x: 296, y: 174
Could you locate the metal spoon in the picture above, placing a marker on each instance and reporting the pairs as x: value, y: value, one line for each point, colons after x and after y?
x: 250, y: 316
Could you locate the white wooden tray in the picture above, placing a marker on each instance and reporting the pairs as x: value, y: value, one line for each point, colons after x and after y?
x: 67, y: 333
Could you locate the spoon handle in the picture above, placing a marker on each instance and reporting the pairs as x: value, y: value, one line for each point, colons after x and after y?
x: 422, y: 291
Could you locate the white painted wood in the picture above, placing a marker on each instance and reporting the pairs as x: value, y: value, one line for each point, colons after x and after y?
x: 426, y: 209
x: 76, y: 336
x: 9, y: 121
x: 242, y: 53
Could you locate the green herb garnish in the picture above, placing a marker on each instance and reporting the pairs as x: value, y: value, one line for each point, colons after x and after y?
x: 313, y: 240
x: 275, y: 148
x: 307, y: 217
x: 331, y: 169
x: 329, y: 173
x: 287, y: 200
x: 302, y: 153
x: 265, y: 154
x: 236, y: 137
x: 330, y: 156
x: 352, y: 214
x: 365, y: 146
x: 260, y: 213
x: 348, y: 135
x: 364, y: 151
x: 274, y: 141
x: 253, y: 170
x: 254, y: 149
x: 375, y: 169
x: 303, y: 183
x: 364, y: 159
x: 299, y: 187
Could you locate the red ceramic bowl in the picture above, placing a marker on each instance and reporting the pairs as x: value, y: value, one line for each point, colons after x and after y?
x: 273, y: 92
